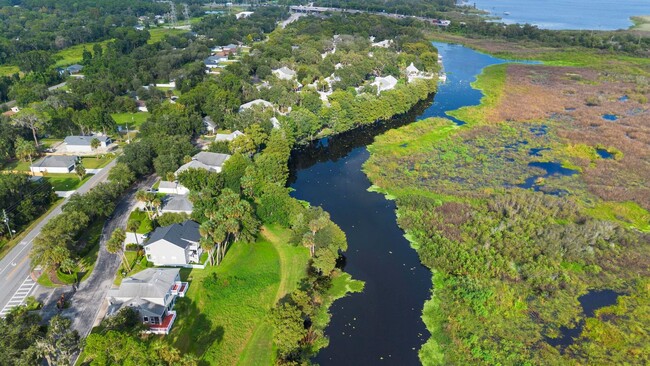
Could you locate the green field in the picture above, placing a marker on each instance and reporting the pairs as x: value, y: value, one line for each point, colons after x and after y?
x: 157, y: 34
x: 91, y: 162
x: 66, y: 182
x: 74, y: 54
x: 17, y: 165
x: 8, y: 70
x: 135, y: 120
x: 223, y: 318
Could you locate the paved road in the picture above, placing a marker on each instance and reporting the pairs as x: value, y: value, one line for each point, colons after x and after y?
x: 14, y: 267
x: 87, y: 300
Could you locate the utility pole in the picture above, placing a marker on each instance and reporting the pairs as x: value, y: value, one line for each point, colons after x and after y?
x: 5, y: 218
x: 128, y: 136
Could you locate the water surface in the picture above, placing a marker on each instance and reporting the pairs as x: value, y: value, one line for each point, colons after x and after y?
x: 382, y: 325
x: 567, y: 14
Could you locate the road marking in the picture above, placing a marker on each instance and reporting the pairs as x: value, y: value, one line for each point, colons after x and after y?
x: 19, y: 297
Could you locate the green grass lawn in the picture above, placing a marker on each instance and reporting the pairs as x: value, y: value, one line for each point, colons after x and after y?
x: 145, y: 223
x: 92, y: 162
x: 157, y: 34
x: 66, y: 182
x: 49, y: 142
x: 17, y: 165
x: 137, y: 264
x: 135, y: 120
x: 8, y: 70
x: 222, y: 319
x: 74, y: 54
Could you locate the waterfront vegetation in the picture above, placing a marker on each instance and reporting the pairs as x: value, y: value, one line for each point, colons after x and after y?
x: 510, y: 256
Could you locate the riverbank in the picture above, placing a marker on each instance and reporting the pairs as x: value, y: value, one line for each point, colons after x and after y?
x: 483, y: 213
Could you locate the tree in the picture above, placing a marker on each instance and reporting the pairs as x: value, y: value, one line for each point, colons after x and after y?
x: 317, y: 223
x: 60, y: 343
x: 147, y: 198
x: 94, y: 143
x: 32, y: 119
x: 115, y: 245
x: 25, y: 149
x: 121, y: 174
x: 133, y: 226
x: 80, y: 170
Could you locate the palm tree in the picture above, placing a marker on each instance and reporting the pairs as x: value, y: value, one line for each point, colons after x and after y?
x: 80, y: 171
x: 133, y: 226
x: 115, y: 245
x: 94, y: 143
x: 25, y: 149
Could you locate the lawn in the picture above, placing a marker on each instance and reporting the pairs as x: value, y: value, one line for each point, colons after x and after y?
x: 17, y: 165
x: 74, y: 54
x: 135, y: 120
x: 223, y: 318
x: 66, y: 182
x: 137, y: 264
x: 92, y: 162
x: 8, y: 70
x: 145, y: 223
x: 157, y: 34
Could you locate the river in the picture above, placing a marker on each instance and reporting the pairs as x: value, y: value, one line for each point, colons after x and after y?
x: 381, y: 325
x: 563, y: 14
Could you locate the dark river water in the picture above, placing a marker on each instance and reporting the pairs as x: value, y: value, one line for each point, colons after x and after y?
x: 382, y: 325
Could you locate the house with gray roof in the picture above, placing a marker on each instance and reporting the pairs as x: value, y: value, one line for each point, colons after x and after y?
x: 284, y: 73
x: 83, y: 144
x: 153, y: 293
x: 251, y: 104
x: 74, y: 69
x: 57, y: 164
x: 177, y: 203
x: 228, y: 136
x: 212, y: 162
x: 174, y: 245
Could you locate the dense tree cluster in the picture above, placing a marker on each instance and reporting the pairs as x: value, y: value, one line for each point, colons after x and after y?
x: 23, y: 200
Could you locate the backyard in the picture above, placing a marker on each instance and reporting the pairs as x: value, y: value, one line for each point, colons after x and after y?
x: 66, y: 182
x: 135, y: 120
x: 223, y: 318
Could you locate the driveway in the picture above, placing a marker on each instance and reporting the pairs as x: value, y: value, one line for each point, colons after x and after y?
x: 87, y: 300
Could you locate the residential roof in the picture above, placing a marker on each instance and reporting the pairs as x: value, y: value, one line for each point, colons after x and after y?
x: 386, y: 83
x: 211, y: 60
x: 74, y: 68
x: 180, y: 235
x: 284, y: 73
x: 254, y: 103
x: 84, y: 140
x: 151, y: 283
x: 209, y: 123
x: 177, y: 203
x: 55, y: 161
x: 165, y: 184
x: 228, y: 136
x: 204, y: 160
x: 411, y: 69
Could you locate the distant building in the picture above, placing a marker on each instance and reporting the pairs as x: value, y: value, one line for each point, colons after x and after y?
x: 82, y: 144
x: 174, y: 245
x: 256, y: 102
x: 385, y: 83
x: 243, y: 14
x: 383, y: 44
x: 212, y: 62
x: 284, y: 73
x: 228, y: 136
x: 209, y: 124
x: 74, y: 69
x: 58, y: 164
x: 212, y: 162
x: 11, y: 111
x: 177, y: 203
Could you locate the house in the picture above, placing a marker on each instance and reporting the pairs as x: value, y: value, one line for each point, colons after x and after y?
x: 243, y: 14
x: 54, y: 164
x: 74, y: 69
x: 228, y: 136
x: 174, y: 245
x: 142, y: 106
x: 177, y: 203
x: 411, y: 70
x: 153, y: 293
x: 214, y: 61
x: 231, y: 48
x: 384, y: 84
x: 383, y: 44
x: 168, y: 187
x: 209, y: 124
x: 209, y: 161
x: 11, y: 111
x: 82, y: 144
x: 284, y: 73
x: 255, y: 102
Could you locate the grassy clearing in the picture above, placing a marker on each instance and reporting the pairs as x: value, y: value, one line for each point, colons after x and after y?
x: 17, y: 166
x: 74, y: 54
x: 157, y: 34
x: 146, y: 225
x: 135, y: 120
x: 625, y: 213
x: 222, y: 319
x: 8, y: 70
x: 66, y: 182
x: 137, y: 264
x: 641, y: 23
x: 100, y: 161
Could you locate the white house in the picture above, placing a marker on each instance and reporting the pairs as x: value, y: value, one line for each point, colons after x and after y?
x: 284, y: 73
x: 153, y: 293
x: 411, y: 70
x: 212, y: 62
x: 82, y: 144
x: 243, y: 14
x: 383, y: 44
x: 228, y: 136
x: 209, y: 124
x: 54, y: 164
x: 384, y: 83
x: 255, y: 102
x: 204, y: 160
x: 174, y: 245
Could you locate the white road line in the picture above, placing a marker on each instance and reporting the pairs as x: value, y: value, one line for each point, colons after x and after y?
x: 19, y: 296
